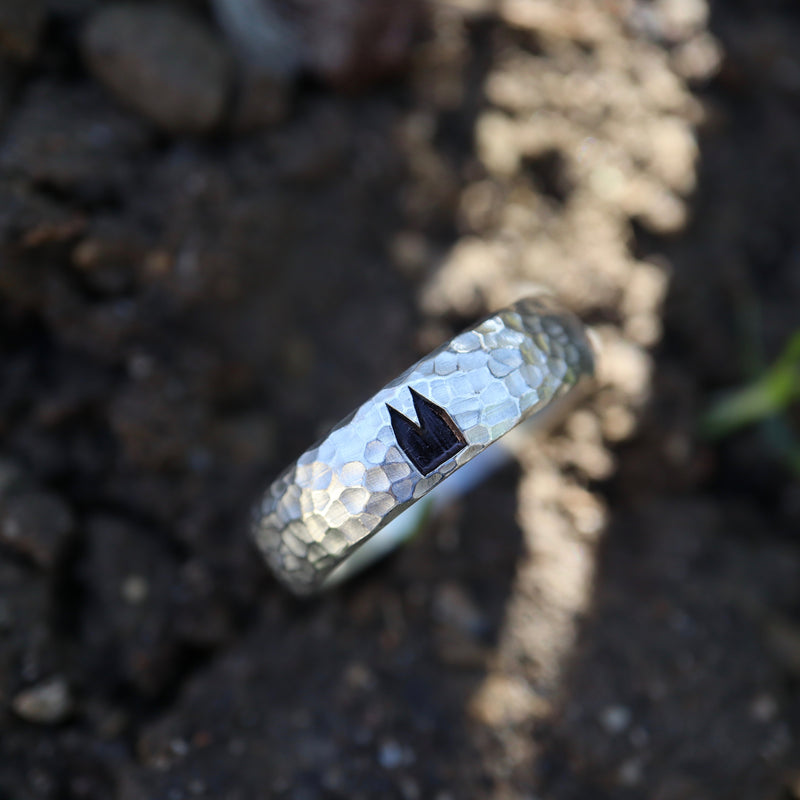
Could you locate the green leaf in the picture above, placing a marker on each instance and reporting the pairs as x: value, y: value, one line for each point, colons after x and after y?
x: 768, y: 396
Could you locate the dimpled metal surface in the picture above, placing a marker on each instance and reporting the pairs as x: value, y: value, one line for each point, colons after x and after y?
x: 349, y: 485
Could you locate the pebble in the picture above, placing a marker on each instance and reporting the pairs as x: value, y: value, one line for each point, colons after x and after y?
x: 267, y: 50
x: 763, y: 708
x: 410, y: 253
x: 507, y: 700
x: 35, y: 524
x: 454, y: 607
x: 352, y: 44
x: 163, y: 63
x: 699, y: 58
x: 11, y: 475
x: 681, y: 18
x: 261, y: 36
x: 135, y: 589
x: 47, y: 703
x: 630, y: 772
x: 21, y: 24
x: 391, y: 755
x: 349, y: 44
x: 615, y: 719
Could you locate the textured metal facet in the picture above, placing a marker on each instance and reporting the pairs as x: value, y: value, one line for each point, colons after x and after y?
x: 349, y: 485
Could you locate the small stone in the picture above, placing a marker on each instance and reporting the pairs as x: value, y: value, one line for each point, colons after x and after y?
x: 681, y: 18
x: 763, y: 708
x: 507, y: 700
x: 47, y: 703
x: 109, y: 258
x: 21, y: 23
x: 391, y: 755
x: 699, y: 58
x: 615, y: 719
x: 160, y: 62
x: 268, y: 54
x: 630, y: 772
x: 261, y: 36
x: 35, y: 524
x: 453, y: 607
x: 11, y: 475
x: 354, y: 43
x: 135, y: 589
x: 357, y: 676
x: 410, y: 253
x: 349, y: 44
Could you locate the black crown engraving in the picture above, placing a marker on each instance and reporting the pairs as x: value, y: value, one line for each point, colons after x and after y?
x: 433, y: 441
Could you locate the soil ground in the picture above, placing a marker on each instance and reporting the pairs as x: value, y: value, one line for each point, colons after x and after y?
x: 616, y: 615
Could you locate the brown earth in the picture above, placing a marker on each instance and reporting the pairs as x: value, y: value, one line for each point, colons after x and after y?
x: 181, y: 313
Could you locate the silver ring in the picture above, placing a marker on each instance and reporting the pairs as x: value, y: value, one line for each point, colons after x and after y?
x: 413, y: 434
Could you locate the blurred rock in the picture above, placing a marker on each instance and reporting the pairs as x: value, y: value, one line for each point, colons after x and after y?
x: 23, y: 213
x: 680, y: 19
x: 352, y: 44
x: 261, y: 36
x: 698, y: 59
x: 72, y: 139
x: 20, y: 26
x: 28, y: 651
x: 35, y: 524
x: 579, y: 21
x: 268, y: 53
x: 454, y: 608
x: 111, y: 257
x: 615, y: 719
x: 47, y: 703
x: 160, y: 62
x: 393, y: 755
x: 506, y: 700
x: 11, y: 476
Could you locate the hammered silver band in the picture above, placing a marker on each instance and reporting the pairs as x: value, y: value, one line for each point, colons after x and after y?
x: 415, y: 432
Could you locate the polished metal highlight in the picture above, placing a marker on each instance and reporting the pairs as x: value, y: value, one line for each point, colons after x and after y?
x: 415, y: 432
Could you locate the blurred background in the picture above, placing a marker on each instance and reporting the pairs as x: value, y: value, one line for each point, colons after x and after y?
x: 223, y: 224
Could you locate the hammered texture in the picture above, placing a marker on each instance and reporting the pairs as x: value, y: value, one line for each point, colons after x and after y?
x: 355, y: 480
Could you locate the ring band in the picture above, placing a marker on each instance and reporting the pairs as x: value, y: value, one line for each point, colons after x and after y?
x: 414, y: 433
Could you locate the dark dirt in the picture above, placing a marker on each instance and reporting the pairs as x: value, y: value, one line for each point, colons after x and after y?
x: 617, y: 615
